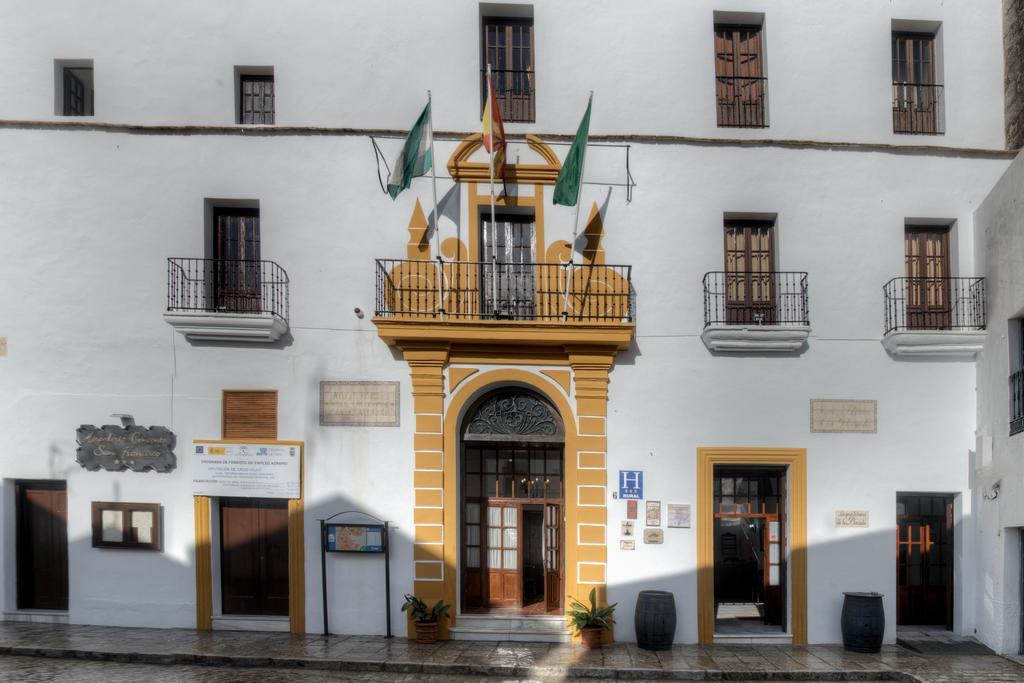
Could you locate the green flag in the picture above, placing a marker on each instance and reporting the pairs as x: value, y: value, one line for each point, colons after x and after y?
x: 567, y: 187
x: 415, y: 159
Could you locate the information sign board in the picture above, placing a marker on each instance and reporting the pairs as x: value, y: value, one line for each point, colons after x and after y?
x: 355, y: 538
x: 631, y: 484
x: 246, y: 470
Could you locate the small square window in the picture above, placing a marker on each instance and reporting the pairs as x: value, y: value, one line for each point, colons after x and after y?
x: 74, y: 87
x: 255, y: 93
x: 126, y: 525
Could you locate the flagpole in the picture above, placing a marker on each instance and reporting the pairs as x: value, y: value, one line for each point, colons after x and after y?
x: 490, y: 166
x: 437, y: 226
x: 576, y: 221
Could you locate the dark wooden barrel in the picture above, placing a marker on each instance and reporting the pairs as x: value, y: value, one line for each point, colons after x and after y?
x: 863, y: 622
x: 655, y: 620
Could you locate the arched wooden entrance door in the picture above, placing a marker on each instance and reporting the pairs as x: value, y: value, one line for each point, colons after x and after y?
x: 513, y: 492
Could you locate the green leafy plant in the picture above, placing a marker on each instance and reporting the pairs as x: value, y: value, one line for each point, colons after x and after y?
x: 419, y: 611
x: 583, y: 616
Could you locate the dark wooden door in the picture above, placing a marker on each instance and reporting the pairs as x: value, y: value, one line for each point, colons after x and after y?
x: 749, y: 272
x: 238, y: 269
x: 42, y: 544
x: 74, y: 94
x: 504, y: 578
x: 254, y: 556
x: 739, y: 76
x: 915, y: 93
x: 926, y: 257
x: 507, y: 252
x: 552, y: 557
x: 924, y: 560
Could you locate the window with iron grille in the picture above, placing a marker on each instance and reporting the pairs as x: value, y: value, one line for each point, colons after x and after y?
x: 508, y: 47
x: 1015, y: 337
x: 74, y: 87
x: 917, y: 94
x: 256, y: 98
x: 740, y: 82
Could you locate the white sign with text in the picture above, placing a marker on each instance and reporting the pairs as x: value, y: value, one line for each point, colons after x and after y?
x: 243, y: 470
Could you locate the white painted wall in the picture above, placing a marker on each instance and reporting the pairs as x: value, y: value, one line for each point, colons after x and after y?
x: 90, y: 218
x: 1000, y: 252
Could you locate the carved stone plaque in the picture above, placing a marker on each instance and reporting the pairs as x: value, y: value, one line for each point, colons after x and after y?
x: 844, y: 416
x: 359, y: 404
x: 857, y: 519
x: 134, y: 448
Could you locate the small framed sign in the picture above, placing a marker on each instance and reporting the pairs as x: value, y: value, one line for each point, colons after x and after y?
x: 355, y: 538
x: 654, y: 513
x: 631, y: 509
x: 627, y: 530
x: 679, y: 515
x: 627, y: 544
x: 654, y: 536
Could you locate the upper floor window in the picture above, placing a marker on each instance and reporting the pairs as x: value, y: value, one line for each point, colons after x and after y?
x: 740, y: 82
x: 1015, y: 339
x: 255, y: 94
x: 74, y: 96
x: 917, y: 90
x: 508, y: 47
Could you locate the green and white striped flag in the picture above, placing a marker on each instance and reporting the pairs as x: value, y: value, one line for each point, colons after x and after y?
x: 415, y: 159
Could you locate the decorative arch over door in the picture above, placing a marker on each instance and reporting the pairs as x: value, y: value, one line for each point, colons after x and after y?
x: 513, y: 491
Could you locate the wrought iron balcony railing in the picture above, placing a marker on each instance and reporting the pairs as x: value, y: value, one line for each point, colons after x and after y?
x: 741, y: 101
x: 771, y: 298
x: 934, y: 303
x: 227, y: 286
x: 515, y: 90
x: 1017, y: 402
x: 917, y: 108
x: 467, y: 290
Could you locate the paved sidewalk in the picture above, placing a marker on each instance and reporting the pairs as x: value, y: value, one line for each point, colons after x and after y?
x: 535, y: 660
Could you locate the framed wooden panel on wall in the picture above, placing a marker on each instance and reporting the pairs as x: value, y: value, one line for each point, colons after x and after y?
x: 132, y: 526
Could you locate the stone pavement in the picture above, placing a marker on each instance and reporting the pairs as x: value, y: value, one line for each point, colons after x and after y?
x: 250, y: 650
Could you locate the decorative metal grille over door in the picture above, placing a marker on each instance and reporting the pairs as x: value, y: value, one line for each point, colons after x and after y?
x: 507, y: 255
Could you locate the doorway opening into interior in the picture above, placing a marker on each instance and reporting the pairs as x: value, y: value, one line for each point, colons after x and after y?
x: 750, y: 541
x: 512, y: 506
x: 924, y: 560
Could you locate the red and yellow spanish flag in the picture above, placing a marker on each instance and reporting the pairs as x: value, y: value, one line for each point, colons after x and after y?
x: 494, y: 130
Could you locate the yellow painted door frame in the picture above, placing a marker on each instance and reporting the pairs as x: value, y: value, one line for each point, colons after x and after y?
x: 296, y: 547
x: 795, y: 462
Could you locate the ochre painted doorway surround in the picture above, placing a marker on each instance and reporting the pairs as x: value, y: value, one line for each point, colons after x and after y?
x: 795, y: 462
x: 296, y: 549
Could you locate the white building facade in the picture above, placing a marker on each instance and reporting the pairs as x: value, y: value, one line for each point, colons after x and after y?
x: 194, y: 235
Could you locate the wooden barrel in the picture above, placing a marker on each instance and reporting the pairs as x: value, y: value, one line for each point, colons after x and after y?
x: 863, y: 622
x: 655, y: 620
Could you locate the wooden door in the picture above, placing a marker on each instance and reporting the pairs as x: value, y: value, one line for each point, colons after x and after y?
x: 42, y: 544
x: 237, y: 269
x: 739, y: 76
x: 507, y: 251
x: 924, y: 560
x: 504, y: 580
x: 74, y: 94
x: 926, y: 257
x: 473, y: 588
x: 254, y: 556
x: 915, y: 95
x: 552, y: 557
x: 749, y: 272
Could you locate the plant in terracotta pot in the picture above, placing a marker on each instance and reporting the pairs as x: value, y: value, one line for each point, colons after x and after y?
x: 425, y: 618
x: 591, y: 620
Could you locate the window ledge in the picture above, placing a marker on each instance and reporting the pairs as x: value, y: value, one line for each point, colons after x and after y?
x: 934, y: 343
x: 214, y: 326
x: 755, y: 338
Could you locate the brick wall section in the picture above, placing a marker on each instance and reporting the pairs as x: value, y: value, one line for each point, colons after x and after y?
x: 1013, y: 46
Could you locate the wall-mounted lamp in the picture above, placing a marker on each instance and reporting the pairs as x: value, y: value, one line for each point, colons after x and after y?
x: 126, y: 419
x: 993, y: 492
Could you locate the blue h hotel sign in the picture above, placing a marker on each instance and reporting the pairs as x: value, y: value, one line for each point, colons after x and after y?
x: 631, y: 484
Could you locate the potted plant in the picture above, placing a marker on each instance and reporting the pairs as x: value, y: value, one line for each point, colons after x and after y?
x: 425, y: 618
x: 590, y: 620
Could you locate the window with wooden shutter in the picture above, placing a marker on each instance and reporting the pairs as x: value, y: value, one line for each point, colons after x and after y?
x: 508, y: 49
x: 256, y: 99
x: 250, y: 414
x: 740, y: 83
x: 917, y: 95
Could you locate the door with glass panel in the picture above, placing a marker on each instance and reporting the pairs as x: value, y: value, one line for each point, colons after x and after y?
x: 926, y: 255
x: 508, y: 284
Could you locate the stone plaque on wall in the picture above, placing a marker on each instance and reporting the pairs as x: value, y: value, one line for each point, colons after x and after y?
x: 359, y: 404
x: 844, y: 416
x: 857, y: 519
x: 134, y: 448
